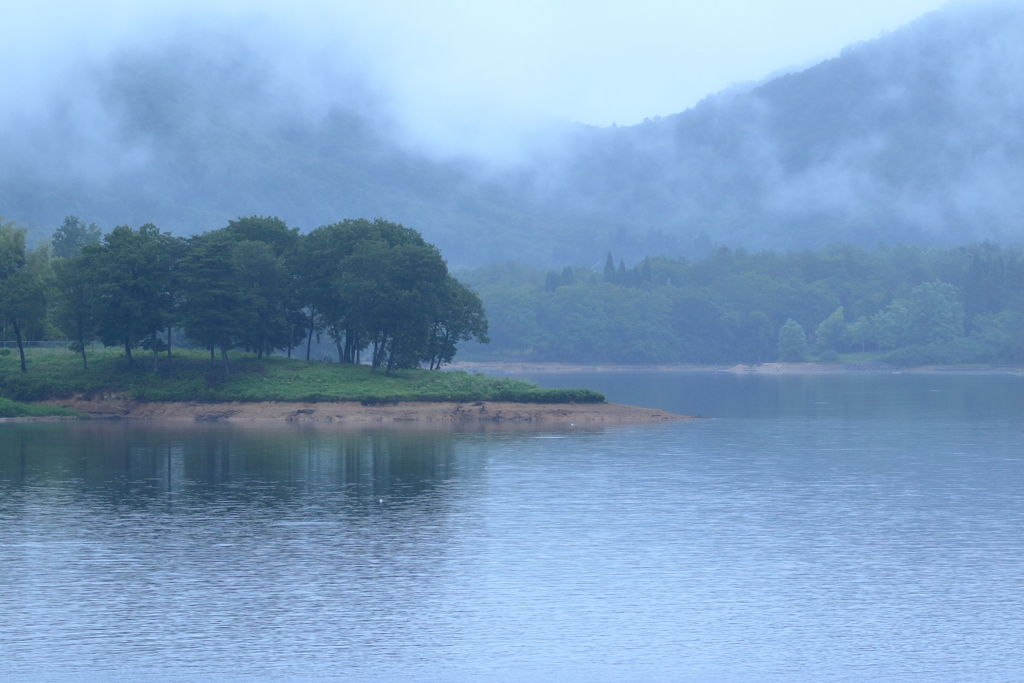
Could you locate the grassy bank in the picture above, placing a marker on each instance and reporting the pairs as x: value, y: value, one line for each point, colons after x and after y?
x: 9, y: 408
x: 190, y: 377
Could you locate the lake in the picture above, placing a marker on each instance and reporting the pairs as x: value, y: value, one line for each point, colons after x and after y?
x: 857, y: 527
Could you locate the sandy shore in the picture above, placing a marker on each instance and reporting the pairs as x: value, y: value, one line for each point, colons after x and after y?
x: 358, y: 414
x: 514, y: 368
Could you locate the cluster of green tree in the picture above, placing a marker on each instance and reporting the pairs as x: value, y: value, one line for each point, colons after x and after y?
x: 255, y: 284
x: 908, y: 304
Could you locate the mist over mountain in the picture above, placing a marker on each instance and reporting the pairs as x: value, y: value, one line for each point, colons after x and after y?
x: 917, y: 136
x: 188, y: 135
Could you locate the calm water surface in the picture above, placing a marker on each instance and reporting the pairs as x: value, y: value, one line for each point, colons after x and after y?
x: 829, y: 528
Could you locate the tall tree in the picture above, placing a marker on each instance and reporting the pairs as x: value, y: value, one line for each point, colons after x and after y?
x: 398, y: 294
x: 271, y: 231
x: 831, y: 331
x: 373, y: 282
x: 322, y: 281
x: 269, y: 263
x: 22, y: 287
x: 264, y: 282
x: 609, y: 269
x: 552, y: 281
x: 460, y: 317
x: 74, y: 311
x: 891, y: 325
x: 860, y: 332
x: 214, y: 308
x: 935, y: 312
x: 72, y: 235
x: 135, y: 301
x: 792, y: 343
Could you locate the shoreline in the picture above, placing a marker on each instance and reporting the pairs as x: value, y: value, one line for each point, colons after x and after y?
x: 529, y: 367
x: 420, y: 413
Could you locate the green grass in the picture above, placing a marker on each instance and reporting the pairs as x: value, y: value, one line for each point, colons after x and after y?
x: 863, y: 357
x: 191, y: 377
x: 9, y: 408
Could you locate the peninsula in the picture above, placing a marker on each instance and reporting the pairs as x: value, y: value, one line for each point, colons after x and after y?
x: 190, y: 387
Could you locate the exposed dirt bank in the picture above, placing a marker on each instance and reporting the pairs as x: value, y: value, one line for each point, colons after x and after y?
x: 357, y: 413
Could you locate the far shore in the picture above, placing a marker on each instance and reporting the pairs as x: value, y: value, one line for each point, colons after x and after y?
x: 412, y: 413
x: 529, y: 367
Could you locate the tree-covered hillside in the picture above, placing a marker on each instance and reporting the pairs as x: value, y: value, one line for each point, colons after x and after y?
x: 916, y: 136
x: 905, y: 305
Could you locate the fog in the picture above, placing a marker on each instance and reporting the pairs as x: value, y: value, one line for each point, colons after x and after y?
x: 486, y: 126
x: 916, y: 136
x: 454, y: 70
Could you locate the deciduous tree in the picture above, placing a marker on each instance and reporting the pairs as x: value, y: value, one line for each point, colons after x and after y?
x: 792, y: 343
x: 135, y: 300
x: 831, y: 332
x: 74, y: 310
x: 214, y: 307
x: 72, y: 235
x: 460, y: 317
x: 22, y: 287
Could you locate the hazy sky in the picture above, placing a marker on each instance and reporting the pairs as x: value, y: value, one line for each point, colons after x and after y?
x: 465, y: 72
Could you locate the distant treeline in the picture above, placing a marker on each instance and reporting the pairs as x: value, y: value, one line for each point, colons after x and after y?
x: 255, y: 284
x: 910, y: 305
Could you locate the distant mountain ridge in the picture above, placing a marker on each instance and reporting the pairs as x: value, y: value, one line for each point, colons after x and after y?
x: 917, y: 136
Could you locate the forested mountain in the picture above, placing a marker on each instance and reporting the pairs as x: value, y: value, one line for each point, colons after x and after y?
x: 906, y: 305
x: 917, y: 136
